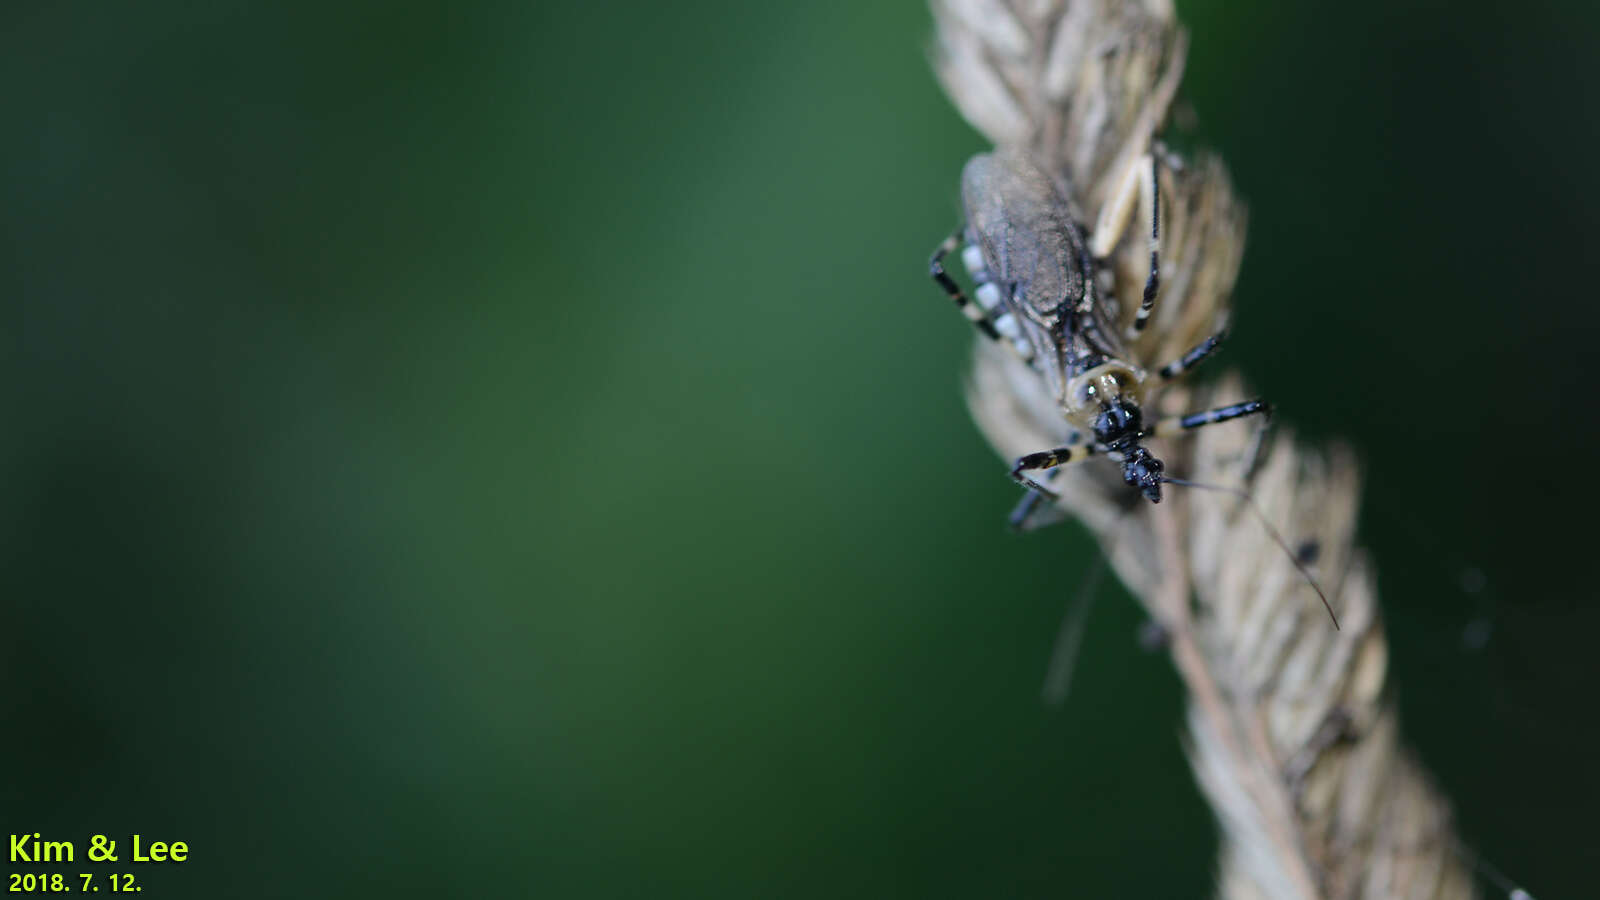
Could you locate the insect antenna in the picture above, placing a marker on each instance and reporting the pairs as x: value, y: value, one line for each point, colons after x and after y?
x: 1064, y: 658
x: 1069, y: 638
x: 1495, y: 877
x: 1273, y: 532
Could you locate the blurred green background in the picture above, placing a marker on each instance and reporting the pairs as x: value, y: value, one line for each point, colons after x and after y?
x: 514, y: 449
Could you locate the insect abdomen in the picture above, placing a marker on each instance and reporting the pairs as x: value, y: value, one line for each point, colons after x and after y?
x: 1026, y: 229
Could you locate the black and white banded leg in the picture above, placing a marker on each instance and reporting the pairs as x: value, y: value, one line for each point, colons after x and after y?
x: 1194, y: 357
x: 1067, y: 455
x: 1141, y: 179
x: 1033, y: 512
x: 986, y: 315
x: 1173, y: 425
x: 972, y: 311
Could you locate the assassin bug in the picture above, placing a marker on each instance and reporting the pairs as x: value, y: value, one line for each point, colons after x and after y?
x: 1037, y: 274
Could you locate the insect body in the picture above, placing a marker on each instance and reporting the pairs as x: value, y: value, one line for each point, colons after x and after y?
x: 1036, y: 271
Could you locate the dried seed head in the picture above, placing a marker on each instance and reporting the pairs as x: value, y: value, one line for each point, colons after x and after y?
x: 1291, y: 734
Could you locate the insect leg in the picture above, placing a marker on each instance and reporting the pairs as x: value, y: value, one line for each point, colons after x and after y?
x: 1193, y: 358
x: 1003, y: 326
x: 1140, y: 178
x: 1070, y: 454
x: 1028, y: 514
x: 973, y: 312
x: 1178, y: 424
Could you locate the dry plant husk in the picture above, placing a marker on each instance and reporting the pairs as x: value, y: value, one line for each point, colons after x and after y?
x: 1292, y: 732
